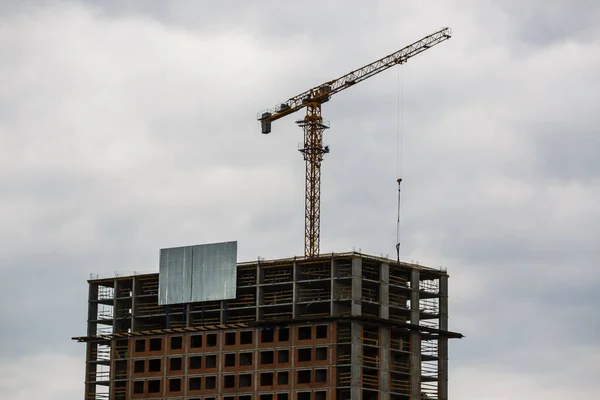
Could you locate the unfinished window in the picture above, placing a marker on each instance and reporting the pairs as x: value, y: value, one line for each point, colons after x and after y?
x: 138, y: 367
x: 176, y: 343
x: 284, y: 334
x: 230, y: 339
x: 140, y: 345
x: 266, y: 379
x: 228, y: 397
x: 154, y: 365
x: 283, y: 356
x: 245, y: 380
x: 154, y: 386
x: 195, y: 341
x: 246, y: 337
x: 175, y: 364
x: 246, y: 359
x: 156, y: 344
x: 210, y: 382
x: 138, y: 387
x: 304, y: 376
x: 321, y: 395
x: 304, y: 355
x: 282, y: 396
x: 211, y: 361
x: 267, y: 335
x: 230, y: 360
x: 304, y: 333
x: 195, y: 383
x: 175, y: 385
x: 211, y: 340
x: 303, y: 396
x: 266, y: 397
x: 321, y: 353
x: 195, y: 362
x: 228, y: 381
x: 245, y: 397
x: 266, y: 357
x: 283, y: 377
x: 321, y: 375
x: 321, y: 331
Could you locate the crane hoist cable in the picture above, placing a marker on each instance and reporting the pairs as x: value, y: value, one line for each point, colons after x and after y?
x: 314, y: 125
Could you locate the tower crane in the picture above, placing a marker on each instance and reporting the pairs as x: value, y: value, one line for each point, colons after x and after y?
x: 314, y: 125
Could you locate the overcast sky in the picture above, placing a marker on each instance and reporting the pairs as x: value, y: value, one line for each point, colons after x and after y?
x: 129, y: 126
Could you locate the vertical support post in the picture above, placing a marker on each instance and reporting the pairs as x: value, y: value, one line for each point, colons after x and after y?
x: 384, y: 373
x: 91, y: 347
x: 355, y: 358
x: 356, y: 286
x: 443, y: 340
x: 415, y: 337
x: 384, y: 291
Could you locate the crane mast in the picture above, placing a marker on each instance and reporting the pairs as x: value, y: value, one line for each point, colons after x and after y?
x: 314, y: 125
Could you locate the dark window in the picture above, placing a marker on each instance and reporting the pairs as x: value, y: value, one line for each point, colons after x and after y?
x: 175, y: 385
x: 230, y: 360
x: 267, y: 336
x: 140, y: 346
x: 303, y: 396
x: 266, y: 397
x: 176, y: 343
x: 246, y: 337
x: 138, y: 366
x: 211, y: 361
x: 210, y: 382
x: 138, y: 387
x: 175, y: 364
x: 321, y: 353
x: 156, y: 344
x: 154, y: 386
x: 283, y: 356
x: 229, y: 398
x: 304, y: 376
x: 284, y: 334
x: 195, y: 341
x: 283, y: 378
x: 304, y: 333
x: 266, y: 379
x: 321, y: 395
x: 245, y: 380
x: 246, y: 397
x: 266, y: 357
x: 282, y: 396
x: 320, y: 375
x: 229, y: 381
x: 246, y: 359
x: 195, y: 383
x: 321, y: 331
x: 304, y: 355
x: 195, y: 362
x: 211, y: 340
x: 154, y: 365
x: 230, y: 339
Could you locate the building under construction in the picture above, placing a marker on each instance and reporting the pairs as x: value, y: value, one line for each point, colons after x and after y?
x: 330, y: 327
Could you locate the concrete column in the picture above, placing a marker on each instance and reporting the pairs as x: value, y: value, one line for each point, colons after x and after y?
x: 356, y: 286
x: 259, y: 301
x: 294, y: 289
x: 384, y: 384
x: 415, y: 337
x: 355, y: 358
x: 384, y: 291
x: 443, y: 341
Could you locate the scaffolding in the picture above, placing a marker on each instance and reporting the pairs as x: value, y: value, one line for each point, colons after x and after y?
x: 282, y: 296
x: 246, y: 276
x: 277, y: 273
x: 314, y: 294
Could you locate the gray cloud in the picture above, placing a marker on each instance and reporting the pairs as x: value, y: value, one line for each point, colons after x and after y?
x: 128, y: 126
